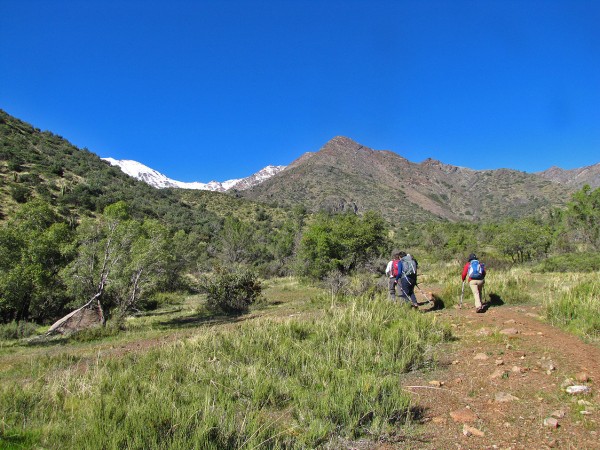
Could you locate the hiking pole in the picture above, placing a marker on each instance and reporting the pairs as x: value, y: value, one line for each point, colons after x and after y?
x: 423, y: 293
x: 462, y: 292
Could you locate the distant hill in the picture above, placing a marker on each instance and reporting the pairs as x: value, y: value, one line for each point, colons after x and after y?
x: 342, y: 176
x: 345, y: 175
x: 575, y: 178
x: 40, y: 164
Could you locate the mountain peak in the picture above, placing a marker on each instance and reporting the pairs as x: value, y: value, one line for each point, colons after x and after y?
x: 342, y: 145
x: 158, y: 180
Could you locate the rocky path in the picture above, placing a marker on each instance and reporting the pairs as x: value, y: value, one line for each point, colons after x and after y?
x: 502, y: 385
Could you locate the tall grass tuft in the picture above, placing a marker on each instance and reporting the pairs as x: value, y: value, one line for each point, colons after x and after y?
x: 577, y: 309
x: 277, y: 383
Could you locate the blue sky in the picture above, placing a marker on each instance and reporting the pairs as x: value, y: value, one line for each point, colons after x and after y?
x: 217, y: 89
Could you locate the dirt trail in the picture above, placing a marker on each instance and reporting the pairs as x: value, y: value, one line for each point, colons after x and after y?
x: 505, y: 386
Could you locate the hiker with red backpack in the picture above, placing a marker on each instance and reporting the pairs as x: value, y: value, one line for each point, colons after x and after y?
x: 475, y: 270
x: 392, y: 272
x: 402, y: 273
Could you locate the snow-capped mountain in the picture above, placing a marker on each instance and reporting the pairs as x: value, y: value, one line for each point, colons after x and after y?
x: 158, y: 180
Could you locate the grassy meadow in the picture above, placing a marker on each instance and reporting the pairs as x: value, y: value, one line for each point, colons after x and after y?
x: 306, y: 366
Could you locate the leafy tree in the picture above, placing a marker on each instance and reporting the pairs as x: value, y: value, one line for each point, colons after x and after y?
x: 523, y: 239
x: 583, y: 216
x: 33, y: 249
x: 340, y: 242
x: 120, y: 259
x: 236, y: 242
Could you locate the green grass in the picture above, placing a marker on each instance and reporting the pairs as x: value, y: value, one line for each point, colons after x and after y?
x: 274, y: 381
x: 577, y: 309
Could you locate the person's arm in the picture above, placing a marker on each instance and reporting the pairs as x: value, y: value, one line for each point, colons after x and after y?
x: 465, y: 271
x: 400, y: 271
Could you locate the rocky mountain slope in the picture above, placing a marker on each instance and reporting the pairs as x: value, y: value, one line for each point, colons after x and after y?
x: 576, y: 178
x: 158, y: 180
x: 345, y: 175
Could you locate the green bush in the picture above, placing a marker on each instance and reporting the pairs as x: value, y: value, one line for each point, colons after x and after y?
x: 231, y: 291
x: 571, y: 262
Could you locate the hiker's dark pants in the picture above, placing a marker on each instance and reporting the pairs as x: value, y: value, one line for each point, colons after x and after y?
x: 407, y: 292
x: 392, y: 288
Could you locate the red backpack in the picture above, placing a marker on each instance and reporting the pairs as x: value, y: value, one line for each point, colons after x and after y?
x: 395, y: 264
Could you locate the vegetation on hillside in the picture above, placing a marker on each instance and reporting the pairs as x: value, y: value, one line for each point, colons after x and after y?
x: 309, y: 366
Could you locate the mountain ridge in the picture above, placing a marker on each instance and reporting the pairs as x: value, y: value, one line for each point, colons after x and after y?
x: 345, y: 175
x: 158, y: 180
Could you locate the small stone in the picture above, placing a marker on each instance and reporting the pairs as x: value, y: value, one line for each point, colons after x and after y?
x: 439, y: 420
x: 471, y: 431
x: 499, y: 373
x: 551, y: 422
x: 585, y: 413
x: 499, y: 362
x: 509, y: 331
x: 463, y: 415
x: 579, y: 389
x: 480, y: 357
x: 582, y: 377
x: 584, y: 403
x: 484, y: 332
x: 455, y: 362
x: 510, y: 321
x: 503, y: 397
x: 458, y: 381
x: 553, y: 443
x: 436, y: 383
x: 509, y: 346
x: 567, y: 382
x: 559, y: 413
x: 547, y: 365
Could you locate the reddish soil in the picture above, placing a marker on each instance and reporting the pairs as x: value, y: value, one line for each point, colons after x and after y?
x: 474, y: 374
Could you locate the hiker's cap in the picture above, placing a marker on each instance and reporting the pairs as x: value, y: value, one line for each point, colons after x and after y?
x: 472, y: 256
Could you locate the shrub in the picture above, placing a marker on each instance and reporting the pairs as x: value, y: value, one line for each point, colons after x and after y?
x: 19, y: 194
x: 571, y: 262
x: 231, y: 291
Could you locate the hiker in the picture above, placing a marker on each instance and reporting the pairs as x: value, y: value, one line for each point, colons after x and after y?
x: 475, y: 270
x: 407, y: 278
x: 392, y: 271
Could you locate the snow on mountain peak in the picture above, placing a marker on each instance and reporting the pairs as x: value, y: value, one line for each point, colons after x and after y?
x: 158, y: 180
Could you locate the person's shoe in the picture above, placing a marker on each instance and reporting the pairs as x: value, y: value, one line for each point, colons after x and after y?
x: 480, y: 309
x: 415, y: 306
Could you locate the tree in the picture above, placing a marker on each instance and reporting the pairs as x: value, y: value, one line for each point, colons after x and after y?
x: 340, y: 242
x: 236, y: 242
x: 523, y: 239
x: 33, y: 249
x: 120, y: 259
x: 583, y: 216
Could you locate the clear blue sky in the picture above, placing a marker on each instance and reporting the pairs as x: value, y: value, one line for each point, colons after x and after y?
x: 218, y: 89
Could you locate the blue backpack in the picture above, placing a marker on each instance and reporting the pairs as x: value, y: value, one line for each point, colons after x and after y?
x: 476, y: 270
